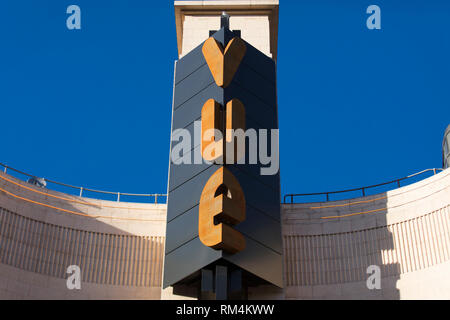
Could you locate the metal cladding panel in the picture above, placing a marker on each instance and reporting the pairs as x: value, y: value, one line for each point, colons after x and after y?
x: 260, y: 111
x: 261, y: 63
x: 259, y: 260
x: 258, y: 226
x: 191, y: 62
x: 257, y: 194
x: 192, y: 86
x: 196, y: 139
x: 182, y: 174
x: 254, y: 84
x: 188, y: 259
x: 191, y: 110
x: 187, y: 222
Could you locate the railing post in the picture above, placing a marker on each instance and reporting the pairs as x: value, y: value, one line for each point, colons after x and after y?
x: 81, y: 191
x: 156, y: 198
x: 292, y: 199
x: 5, y: 169
x: 328, y: 197
x: 398, y: 183
x: 118, y: 196
x: 363, y: 192
x: 434, y: 170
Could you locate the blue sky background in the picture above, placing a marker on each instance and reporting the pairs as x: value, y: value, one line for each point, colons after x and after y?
x: 93, y: 107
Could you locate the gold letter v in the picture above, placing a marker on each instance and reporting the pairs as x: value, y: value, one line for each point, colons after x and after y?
x: 223, y: 64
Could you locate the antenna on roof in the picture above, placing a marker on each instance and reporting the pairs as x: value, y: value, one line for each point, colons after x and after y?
x: 225, y: 20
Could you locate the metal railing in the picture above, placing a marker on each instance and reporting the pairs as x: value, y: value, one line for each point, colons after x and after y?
x: 82, y: 190
x: 362, y: 189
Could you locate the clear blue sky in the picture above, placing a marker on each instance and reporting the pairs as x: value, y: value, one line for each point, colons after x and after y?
x: 93, y: 107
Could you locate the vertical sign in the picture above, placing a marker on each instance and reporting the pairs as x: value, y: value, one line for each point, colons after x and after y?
x: 222, y: 208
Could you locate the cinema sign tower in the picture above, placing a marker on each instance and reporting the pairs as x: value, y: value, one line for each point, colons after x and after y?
x: 223, y: 233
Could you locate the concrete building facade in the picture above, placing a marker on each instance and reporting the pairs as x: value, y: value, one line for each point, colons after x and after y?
x: 118, y: 246
x: 329, y: 246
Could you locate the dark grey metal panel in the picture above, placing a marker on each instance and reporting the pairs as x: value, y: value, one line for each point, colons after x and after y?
x: 256, y: 84
x: 253, y: 172
x: 186, y: 260
x: 257, y: 226
x: 182, y: 230
x: 191, y: 110
x: 260, y: 63
x: 259, y: 260
x: 187, y: 196
x: 180, y: 174
x: 262, y: 228
x: 256, y: 194
x: 261, y: 112
x: 189, y: 63
x: 192, y: 85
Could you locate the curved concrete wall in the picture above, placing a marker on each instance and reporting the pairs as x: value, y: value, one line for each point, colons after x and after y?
x: 328, y: 246
x: 118, y: 246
